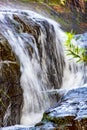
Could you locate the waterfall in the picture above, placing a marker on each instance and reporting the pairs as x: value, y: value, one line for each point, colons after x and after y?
x: 39, y: 52
x: 37, y: 43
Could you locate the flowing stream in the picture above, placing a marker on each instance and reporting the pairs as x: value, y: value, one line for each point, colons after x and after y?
x: 37, y: 43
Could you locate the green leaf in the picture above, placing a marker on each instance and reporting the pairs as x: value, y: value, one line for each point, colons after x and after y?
x: 74, y: 50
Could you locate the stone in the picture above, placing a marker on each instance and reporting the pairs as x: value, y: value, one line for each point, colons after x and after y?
x: 70, y: 112
x: 10, y: 90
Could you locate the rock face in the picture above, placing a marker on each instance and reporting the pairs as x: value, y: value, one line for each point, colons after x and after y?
x: 70, y: 112
x: 10, y: 90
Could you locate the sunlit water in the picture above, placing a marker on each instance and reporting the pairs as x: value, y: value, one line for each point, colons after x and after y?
x: 39, y: 64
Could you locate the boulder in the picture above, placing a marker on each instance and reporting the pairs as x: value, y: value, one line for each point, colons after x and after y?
x: 70, y: 112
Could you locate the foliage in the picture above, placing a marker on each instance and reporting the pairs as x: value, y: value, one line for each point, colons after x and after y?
x: 50, y: 2
x: 74, y: 51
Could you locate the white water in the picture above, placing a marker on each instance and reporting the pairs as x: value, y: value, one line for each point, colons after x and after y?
x: 34, y: 80
x: 76, y: 76
x: 36, y: 101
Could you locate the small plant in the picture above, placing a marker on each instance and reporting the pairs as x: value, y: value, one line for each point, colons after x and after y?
x: 73, y: 50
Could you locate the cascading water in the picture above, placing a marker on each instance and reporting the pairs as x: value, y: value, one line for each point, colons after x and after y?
x: 39, y: 52
x: 37, y: 44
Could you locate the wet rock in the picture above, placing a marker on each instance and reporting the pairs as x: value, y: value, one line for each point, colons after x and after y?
x: 70, y: 112
x: 80, y: 40
x: 10, y: 90
x: 36, y: 28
